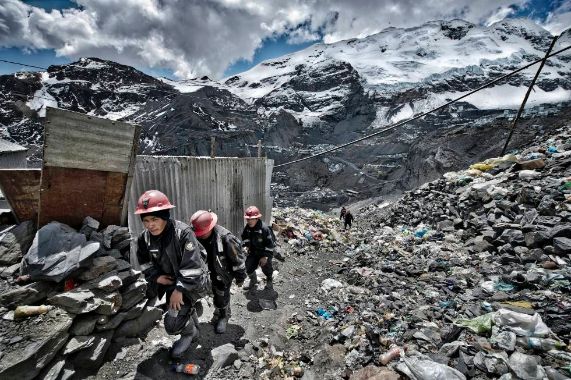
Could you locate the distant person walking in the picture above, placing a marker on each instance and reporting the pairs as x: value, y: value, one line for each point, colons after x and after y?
x: 342, y: 215
x: 226, y: 262
x: 348, y: 219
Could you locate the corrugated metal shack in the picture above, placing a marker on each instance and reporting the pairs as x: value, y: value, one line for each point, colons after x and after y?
x: 12, y: 155
x: 225, y: 185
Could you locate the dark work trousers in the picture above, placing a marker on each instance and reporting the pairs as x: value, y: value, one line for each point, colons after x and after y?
x: 347, y: 223
x: 182, y: 323
x: 252, y: 262
x: 220, y: 291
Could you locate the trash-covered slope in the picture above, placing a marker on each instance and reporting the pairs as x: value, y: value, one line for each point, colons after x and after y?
x: 468, y: 275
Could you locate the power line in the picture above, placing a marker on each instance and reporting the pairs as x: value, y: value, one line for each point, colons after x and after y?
x: 23, y: 64
x: 424, y: 113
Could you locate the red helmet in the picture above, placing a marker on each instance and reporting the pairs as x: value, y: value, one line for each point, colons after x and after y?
x: 151, y: 201
x: 203, y: 222
x: 252, y: 212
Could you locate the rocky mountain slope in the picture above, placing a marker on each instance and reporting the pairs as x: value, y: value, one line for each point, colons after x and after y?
x: 324, y: 95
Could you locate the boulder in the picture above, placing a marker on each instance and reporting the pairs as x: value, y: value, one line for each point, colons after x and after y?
x: 93, y: 356
x: 98, y: 266
x: 562, y: 245
x: 41, y: 339
x: 15, y: 243
x: 27, y: 294
x: 223, y: 356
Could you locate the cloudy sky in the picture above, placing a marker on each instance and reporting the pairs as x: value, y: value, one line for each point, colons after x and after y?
x: 190, y: 38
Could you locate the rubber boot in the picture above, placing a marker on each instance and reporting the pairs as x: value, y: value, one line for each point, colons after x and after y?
x: 180, y: 346
x: 222, y: 322
x: 253, y: 282
x: 269, y: 284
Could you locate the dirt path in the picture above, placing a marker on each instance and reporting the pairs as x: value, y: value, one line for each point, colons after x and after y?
x: 296, y: 290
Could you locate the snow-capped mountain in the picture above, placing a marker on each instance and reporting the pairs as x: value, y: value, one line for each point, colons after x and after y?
x: 408, y: 71
x: 324, y: 95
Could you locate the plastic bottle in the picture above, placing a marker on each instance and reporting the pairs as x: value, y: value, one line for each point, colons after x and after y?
x: 189, y: 369
x: 389, y: 356
x: 27, y: 311
x: 540, y: 344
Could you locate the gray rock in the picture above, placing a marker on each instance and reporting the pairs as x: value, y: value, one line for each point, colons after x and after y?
x: 134, y: 293
x: 563, y: 230
x: 223, y: 356
x: 547, y: 206
x: 84, y: 324
x: 511, y: 236
x: 99, y: 266
x: 81, y: 301
x: 111, y: 323
x: 108, y: 303
x: 93, y: 356
x: 15, y: 243
x: 136, y: 310
x: 75, y: 301
x: 481, y: 244
x: 129, y: 276
x: 27, y: 358
x: 89, y: 226
x: 53, y: 371
x: 562, y: 245
x: 537, y: 238
x: 141, y: 325
x: 78, y: 343
x: 108, y: 282
x: 9, y: 272
x: 27, y: 295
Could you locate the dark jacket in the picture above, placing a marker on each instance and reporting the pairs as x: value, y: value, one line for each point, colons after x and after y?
x: 184, y: 254
x: 226, y: 259
x: 343, y: 212
x: 348, y: 218
x: 259, y: 239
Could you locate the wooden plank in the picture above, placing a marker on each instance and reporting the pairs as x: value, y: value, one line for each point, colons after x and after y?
x: 21, y: 187
x: 69, y: 195
x: 74, y: 140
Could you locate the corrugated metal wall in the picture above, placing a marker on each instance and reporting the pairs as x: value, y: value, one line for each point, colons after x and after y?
x: 226, y: 185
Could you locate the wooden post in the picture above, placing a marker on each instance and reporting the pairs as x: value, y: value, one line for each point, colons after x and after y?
x: 259, y: 148
x: 212, y: 147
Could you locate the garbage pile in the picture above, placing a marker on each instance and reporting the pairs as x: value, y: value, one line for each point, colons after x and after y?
x: 70, y: 297
x: 303, y: 231
x: 468, y: 276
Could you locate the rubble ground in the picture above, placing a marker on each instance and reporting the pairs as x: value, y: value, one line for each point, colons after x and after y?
x: 466, y: 277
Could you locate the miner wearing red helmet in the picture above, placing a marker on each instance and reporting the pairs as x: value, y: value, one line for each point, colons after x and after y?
x: 171, y: 259
x: 258, y: 241
x: 225, y: 260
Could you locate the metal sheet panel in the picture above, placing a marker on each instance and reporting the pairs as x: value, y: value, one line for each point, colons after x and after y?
x: 74, y: 140
x: 225, y: 185
x: 88, y: 164
x: 69, y: 195
x: 21, y: 187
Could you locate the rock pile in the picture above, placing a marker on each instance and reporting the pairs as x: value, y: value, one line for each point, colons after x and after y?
x: 466, y: 277
x: 93, y: 296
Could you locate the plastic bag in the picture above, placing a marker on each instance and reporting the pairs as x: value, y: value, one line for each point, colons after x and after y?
x: 521, y: 324
x: 57, y: 251
x: 479, y: 325
x: 422, y: 369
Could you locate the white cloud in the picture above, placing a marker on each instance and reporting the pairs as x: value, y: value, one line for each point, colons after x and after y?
x: 560, y: 19
x: 194, y: 38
